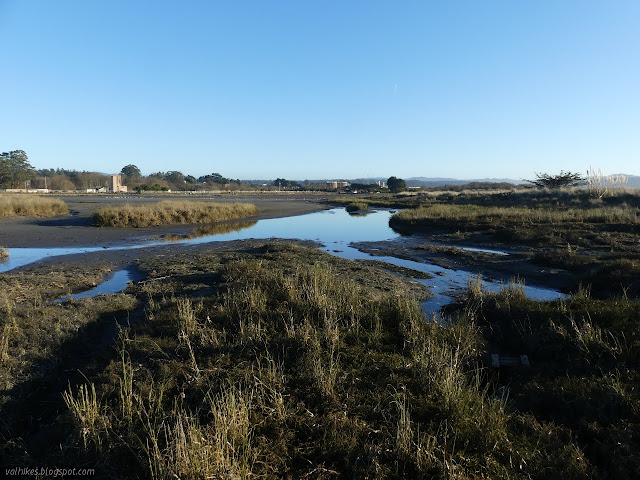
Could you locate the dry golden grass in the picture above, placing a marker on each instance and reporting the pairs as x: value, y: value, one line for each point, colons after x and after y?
x: 467, y: 213
x: 4, y: 254
x: 172, y: 212
x: 31, y: 206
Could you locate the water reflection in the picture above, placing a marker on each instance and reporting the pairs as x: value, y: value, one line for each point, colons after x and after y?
x: 115, y: 284
x: 216, y: 229
x: 335, y: 229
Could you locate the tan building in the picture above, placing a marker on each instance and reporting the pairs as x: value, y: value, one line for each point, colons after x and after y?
x: 116, y: 184
x: 334, y: 184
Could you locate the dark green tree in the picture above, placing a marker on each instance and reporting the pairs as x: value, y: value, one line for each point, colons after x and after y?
x: 214, y: 178
x: 176, y: 178
x: 563, y: 179
x: 396, y: 185
x: 15, y: 169
x: 131, y: 171
x: 284, y: 183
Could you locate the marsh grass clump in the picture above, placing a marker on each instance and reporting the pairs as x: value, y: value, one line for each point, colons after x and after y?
x: 357, y: 207
x: 4, y: 254
x: 170, y: 212
x: 580, y: 387
x: 87, y: 412
x: 31, y: 206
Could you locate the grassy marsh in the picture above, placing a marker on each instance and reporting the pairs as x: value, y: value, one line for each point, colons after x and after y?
x: 31, y: 206
x: 493, y: 216
x: 595, y: 239
x: 280, y: 361
x: 170, y: 212
x: 582, y: 382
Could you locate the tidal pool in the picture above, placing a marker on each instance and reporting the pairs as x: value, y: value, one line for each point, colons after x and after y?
x: 116, y: 282
x: 335, y: 229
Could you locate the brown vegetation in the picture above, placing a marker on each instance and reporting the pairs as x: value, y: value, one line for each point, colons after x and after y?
x: 172, y: 212
x: 12, y: 205
x: 279, y: 361
x: 357, y: 207
x: 595, y: 239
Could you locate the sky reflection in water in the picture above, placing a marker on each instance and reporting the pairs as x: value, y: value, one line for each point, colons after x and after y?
x: 334, y: 228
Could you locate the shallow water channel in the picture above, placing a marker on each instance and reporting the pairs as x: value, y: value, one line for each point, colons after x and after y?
x: 334, y: 228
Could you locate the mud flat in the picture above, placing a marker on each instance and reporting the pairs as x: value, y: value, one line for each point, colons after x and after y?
x: 77, y: 228
x: 495, y: 265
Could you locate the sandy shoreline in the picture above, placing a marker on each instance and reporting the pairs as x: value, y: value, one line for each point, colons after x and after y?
x: 75, y: 229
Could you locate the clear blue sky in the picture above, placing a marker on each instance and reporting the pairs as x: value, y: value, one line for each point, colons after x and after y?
x: 324, y: 89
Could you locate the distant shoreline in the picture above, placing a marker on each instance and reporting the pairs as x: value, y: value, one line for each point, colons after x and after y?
x: 76, y: 229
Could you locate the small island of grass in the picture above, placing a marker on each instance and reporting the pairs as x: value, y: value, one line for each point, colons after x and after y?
x: 357, y: 207
x: 172, y: 213
x: 31, y: 206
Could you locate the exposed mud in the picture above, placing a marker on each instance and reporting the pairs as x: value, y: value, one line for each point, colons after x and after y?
x: 493, y: 266
x: 76, y: 229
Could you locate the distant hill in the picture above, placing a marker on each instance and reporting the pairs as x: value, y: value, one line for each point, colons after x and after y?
x: 440, y: 182
x: 633, y: 181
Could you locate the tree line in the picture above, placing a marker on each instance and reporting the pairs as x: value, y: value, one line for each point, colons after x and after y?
x: 17, y: 172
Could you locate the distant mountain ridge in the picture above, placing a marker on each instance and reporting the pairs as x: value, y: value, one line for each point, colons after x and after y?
x: 440, y: 182
x: 633, y: 181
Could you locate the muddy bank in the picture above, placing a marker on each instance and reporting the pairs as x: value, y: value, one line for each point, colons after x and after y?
x: 84, y: 271
x: 498, y: 265
x: 76, y: 228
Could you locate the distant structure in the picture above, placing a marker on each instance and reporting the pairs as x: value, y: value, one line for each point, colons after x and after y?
x: 116, y: 184
x: 332, y: 184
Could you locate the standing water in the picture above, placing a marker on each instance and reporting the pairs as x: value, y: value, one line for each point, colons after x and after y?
x: 334, y: 228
